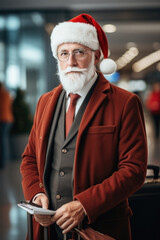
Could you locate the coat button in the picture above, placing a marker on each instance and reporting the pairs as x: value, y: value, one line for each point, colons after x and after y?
x: 61, y: 174
x: 58, y: 196
x: 64, y: 150
x: 41, y: 185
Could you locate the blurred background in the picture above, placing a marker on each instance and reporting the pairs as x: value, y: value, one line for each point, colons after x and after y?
x: 27, y: 70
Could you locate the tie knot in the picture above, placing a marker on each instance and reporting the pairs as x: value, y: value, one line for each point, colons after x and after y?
x: 73, y: 98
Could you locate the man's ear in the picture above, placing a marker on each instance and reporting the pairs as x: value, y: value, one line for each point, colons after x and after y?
x: 97, y: 56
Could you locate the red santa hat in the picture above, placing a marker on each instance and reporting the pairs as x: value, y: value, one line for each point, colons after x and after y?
x: 85, y: 30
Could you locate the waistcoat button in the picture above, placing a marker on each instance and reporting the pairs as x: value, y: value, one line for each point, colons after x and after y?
x: 61, y: 174
x: 58, y: 197
x: 64, y: 150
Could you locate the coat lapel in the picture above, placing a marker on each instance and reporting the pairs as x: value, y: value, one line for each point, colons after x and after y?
x: 98, y: 96
x: 53, y: 127
x: 49, y: 152
x: 46, y: 120
x: 49, y: 110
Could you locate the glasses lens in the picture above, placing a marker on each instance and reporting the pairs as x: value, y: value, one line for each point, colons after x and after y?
x: 63, y: 56
x: 78, y: 55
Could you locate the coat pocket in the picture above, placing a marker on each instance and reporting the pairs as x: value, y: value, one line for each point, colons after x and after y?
x: 101, y: 129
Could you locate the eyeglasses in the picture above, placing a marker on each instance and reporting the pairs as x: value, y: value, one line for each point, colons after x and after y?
x: 78, y: 54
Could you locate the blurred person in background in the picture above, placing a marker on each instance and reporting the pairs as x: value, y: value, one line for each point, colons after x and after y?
x: 6, y: 120
x: 153, y: 105
x: 23, y: 118
x: 87, y: 150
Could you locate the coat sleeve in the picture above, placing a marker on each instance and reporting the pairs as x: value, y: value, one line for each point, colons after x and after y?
x: 29, y: 167
x: 131, y: 166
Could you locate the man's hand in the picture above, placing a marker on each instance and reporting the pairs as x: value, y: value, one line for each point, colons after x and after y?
x: 69, y: 216
x: 44, y: 220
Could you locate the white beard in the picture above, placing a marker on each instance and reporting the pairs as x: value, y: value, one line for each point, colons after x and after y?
x: 74, y: 82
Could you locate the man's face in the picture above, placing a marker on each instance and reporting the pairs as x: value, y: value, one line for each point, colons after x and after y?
x: 76, y: 65
x: 72, y: 61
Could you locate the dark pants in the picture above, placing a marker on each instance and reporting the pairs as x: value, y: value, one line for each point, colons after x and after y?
x: 4, y: 142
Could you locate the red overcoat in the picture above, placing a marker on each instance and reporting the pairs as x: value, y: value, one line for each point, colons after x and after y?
x: 110, y: 155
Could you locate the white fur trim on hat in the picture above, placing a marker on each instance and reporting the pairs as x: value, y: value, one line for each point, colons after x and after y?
x: 107, y: 66
x: 74, y: 32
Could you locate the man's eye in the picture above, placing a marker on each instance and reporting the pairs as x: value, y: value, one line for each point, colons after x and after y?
x: 79, y: 52
x: 63, y: 54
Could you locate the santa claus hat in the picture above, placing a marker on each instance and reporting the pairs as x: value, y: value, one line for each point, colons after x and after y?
x: 85, y: 30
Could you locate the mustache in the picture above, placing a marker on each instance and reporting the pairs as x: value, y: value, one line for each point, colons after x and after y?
x: 75, y: 69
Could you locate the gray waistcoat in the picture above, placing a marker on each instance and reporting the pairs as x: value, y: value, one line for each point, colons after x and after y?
x: 58, y: 174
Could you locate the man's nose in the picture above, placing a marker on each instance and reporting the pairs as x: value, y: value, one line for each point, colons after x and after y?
x: 72, y: 61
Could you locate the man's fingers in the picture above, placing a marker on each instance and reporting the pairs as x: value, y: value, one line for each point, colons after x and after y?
x: 38, y: 201
x: 69, y: 228
x: 65, y: 224
x: 42, y: 200
x: 57, y: 216
x: 45, y: 204
x: 42, y: 216
x: 43, y: 219
x: 60, y: 221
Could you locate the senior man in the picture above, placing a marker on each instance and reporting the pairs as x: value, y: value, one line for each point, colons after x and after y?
x: 87, y: 148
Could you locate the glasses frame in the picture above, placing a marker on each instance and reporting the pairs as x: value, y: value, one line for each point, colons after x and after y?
x: 73, y: 53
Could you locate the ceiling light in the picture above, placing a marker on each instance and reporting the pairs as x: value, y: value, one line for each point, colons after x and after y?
x: 37, y: 19
x: 146, y: 61
x: 134, y: 51
x: 127, y: 57
x: 2, y: 23
x: 13, y: 23
x: 109, y: 28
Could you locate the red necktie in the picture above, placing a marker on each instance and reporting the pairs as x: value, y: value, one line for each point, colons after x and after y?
x: 71, y: 111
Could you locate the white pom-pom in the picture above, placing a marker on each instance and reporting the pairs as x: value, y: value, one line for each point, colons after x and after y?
x: 107, y: 66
